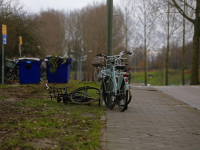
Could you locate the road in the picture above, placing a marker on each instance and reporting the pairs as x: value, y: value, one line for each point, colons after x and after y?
x: 187, y: 94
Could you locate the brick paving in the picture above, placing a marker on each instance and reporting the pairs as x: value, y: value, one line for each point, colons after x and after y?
x: 153, y: 121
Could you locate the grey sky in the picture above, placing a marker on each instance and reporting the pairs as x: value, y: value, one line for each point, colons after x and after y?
x: 36, y: 5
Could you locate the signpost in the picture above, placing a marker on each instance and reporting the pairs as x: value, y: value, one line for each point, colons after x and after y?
x: 4, y: 41
x: 20, y: 43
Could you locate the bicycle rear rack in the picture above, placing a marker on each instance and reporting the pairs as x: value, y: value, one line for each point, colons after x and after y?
x: 57, y: 93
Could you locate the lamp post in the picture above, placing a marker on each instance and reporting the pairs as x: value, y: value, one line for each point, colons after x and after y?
x: 80, y: 59
x: 109, y: 27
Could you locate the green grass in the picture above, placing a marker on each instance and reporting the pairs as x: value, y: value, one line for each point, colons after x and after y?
x: 68, y: 126
x: 2, y: 98
x: 3, y: 86
x: 158, y: 77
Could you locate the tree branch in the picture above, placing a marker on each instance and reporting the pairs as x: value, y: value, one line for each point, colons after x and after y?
x: 186, y: 4
x: 180, y: 10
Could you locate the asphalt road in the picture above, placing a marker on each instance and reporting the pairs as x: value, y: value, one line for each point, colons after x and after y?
x: 187, y: 94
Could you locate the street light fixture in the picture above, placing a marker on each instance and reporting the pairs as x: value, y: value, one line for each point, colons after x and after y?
x: 81, y: 58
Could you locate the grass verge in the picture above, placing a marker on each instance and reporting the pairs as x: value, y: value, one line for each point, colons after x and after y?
x: 30, y: 120
x: 174, y: 77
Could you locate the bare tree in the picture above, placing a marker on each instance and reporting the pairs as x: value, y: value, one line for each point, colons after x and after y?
x: 147, y: 15
x: 51, y: 31
x: 86, y: 30
x: 128, y: 12
x: 194, y: 7
x: 19, y: 23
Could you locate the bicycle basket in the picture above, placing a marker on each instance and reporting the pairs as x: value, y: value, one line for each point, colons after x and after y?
x: 98, y: 62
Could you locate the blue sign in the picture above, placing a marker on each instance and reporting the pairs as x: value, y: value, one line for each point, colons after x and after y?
x: 4, y: 40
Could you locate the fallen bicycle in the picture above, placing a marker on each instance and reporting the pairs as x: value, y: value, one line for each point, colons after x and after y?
x: 82, y: 95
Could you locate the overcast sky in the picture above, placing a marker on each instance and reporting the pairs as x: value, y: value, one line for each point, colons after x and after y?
x: 36, y: 5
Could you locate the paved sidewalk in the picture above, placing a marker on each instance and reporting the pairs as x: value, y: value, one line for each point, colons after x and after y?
x: 153, y: 121
x: 187, y: 94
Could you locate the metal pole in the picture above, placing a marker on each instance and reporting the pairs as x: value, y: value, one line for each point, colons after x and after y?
x: 20, y: 52
x: 110, y: 27
x: 2, y: 64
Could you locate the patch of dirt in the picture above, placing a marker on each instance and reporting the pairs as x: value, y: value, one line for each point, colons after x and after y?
x: 11, y: 112
x: 12, y: 99
x: 44, y: 143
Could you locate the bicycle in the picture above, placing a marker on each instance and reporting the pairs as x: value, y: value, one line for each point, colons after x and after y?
x: 126, y: 64
x: 82, y: 95
x: 98, y: 63
x: 11, y: 69
x: 115, y: 88
x: 43, y: 72
x: 127, y: 70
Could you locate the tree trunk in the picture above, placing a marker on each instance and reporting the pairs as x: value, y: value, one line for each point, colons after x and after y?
x: 145, y: 48
x: 195, y: 56
x: 167, y: 54
x: 183, y: 51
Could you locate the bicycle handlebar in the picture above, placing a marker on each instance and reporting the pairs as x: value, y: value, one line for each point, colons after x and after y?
x: 125, y: 52
x: 100, y: 55
x: 115, y: 56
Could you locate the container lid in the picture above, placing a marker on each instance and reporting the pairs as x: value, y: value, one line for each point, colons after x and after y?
x: 29, y: 59
x: 50, y: 56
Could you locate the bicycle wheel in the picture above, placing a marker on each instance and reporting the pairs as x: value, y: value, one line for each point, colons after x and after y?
x: 97, y: 76
x: 12, y: 75
x: 109, y: 95
x: 85, y: 95
x: 129, y: 77
x: 103, y: 92
x: 122, y: 99
x: 129, y: 96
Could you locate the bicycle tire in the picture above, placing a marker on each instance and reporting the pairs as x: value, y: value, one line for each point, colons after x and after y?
x: 109, y: 97
x: 85, y: 95
x: 122, y: 99
x: 129, y: 96
x: 101, y: 99
x: 129, y: 77
x: 12, y: 75
x: 95, y: 75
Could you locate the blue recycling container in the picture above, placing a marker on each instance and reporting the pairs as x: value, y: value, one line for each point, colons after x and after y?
x: 62, y: 74
x: 29, y: 70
